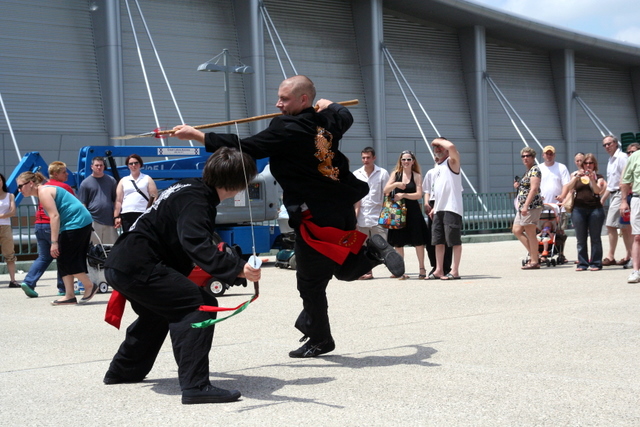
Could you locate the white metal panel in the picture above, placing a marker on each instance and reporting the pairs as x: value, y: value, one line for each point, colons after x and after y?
x: 185, y: 35
x: 526, y: 79
x: 48, y: 73
x: 321, y: 42
x: 430, y: 60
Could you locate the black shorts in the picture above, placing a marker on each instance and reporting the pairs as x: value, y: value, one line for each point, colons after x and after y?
x: 73, y: 245
x: 446, y: 229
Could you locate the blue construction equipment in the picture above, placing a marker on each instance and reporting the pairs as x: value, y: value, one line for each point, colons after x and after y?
x: 176, y: 163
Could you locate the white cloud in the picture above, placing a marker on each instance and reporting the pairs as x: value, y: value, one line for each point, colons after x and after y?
x: 629, y: 35
x: 614, y: 19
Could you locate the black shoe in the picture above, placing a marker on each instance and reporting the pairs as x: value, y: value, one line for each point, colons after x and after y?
x: 14, y: 284
x: 209, y: 394
x: 383, y: 252
x: 313, y: 348
x: 110, y: 378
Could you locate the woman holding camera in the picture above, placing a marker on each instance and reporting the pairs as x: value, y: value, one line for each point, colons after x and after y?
x: 588, y: 214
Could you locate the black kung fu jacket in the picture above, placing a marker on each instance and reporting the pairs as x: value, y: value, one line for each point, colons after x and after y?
x: 176, y: 231
x: 305, y: 159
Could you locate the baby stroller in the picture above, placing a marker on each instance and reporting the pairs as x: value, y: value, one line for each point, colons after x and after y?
x: 551, y: 235
x: 96, y: 257
x: 286, y: 257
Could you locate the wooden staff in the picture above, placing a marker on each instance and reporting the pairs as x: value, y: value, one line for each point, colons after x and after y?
x: 157, y: 134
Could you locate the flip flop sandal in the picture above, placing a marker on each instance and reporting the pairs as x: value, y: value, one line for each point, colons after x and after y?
x: 531, y: 267
x: 433, y: 277
x: 450, y: 276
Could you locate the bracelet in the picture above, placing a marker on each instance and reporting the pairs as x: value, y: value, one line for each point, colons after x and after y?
x: 52, y: 242
x: 116, y: 217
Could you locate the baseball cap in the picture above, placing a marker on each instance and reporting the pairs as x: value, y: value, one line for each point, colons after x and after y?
x: 549, y: 148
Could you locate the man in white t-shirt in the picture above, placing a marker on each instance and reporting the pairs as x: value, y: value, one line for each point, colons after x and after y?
x: 447, y: 210
x: 368, y: 209
x: 429, y: 203
x: 554, y: 176
x: 615, y: 168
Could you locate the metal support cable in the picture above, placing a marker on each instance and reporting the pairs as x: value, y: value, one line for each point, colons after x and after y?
x: 270, y: 25
x: 13, y: 137
x: 144, y: 71
x: 599, y: 124
x: 393, y: 66
x: 404, y: 95
x: 509, y: 115
x: 166, y: 79
x: 496, y: 88
x: 390, y: 58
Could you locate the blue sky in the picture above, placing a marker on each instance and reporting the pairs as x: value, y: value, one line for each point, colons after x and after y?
x: 618, y: 20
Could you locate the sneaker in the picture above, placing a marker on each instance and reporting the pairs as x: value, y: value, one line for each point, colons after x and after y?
x: 31, y: 293
x: 313, y: 349
x: 209, y: 394
x: 14, y: 284
x: 628, y: 265
x: 634, y: 277
x: 383, y: 252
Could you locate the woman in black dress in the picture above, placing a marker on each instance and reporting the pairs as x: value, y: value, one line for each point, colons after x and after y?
x: 406, y: 183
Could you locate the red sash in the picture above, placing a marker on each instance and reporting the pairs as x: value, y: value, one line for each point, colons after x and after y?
x: 331, y: 242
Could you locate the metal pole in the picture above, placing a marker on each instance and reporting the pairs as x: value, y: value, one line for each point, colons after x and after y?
x: 227, y: 97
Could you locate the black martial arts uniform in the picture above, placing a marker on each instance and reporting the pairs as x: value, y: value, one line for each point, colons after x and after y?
x: 149, y: 265
x: 306, y: 161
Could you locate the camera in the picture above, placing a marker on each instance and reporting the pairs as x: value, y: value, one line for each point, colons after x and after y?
x: 517, y: 178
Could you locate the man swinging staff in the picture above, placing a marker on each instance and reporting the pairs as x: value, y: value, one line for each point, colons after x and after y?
x: 319, y: 194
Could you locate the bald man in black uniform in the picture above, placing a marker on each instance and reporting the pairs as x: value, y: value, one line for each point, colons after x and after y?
x: 319, y: 194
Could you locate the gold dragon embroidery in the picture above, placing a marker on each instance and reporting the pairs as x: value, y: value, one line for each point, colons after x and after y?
x: 325, y: 155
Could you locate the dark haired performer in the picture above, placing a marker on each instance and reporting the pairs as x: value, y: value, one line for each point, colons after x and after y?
x: 150, y: 263
x: 319, y: 193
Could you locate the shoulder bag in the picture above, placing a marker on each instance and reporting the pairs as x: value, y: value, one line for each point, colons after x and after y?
x: 394, y: 214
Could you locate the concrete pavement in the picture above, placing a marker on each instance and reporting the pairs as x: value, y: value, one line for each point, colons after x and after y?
x: 501, y: 347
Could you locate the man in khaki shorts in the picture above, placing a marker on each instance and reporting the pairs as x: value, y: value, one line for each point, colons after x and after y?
x: 631, y: 182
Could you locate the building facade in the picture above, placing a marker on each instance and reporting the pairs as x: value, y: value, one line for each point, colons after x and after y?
x: 71, y: 76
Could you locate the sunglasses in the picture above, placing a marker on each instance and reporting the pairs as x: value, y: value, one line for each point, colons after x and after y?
x: 133, y: 163
x: 406, y: 160
x: 588, y: 163
x: 526, y: 155
x: 21, y: 185
x: 606, y: 144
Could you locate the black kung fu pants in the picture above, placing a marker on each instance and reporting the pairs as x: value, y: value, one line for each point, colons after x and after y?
x: 313, y: 272
x: 167, y: 303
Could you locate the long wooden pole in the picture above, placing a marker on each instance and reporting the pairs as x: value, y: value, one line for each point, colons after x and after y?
x: 219, y: 124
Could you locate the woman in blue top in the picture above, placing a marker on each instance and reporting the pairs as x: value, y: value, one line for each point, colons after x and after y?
x: 70, y: 233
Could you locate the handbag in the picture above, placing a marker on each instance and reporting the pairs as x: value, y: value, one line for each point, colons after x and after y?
x: 567, y: 203
x: 394, y: 214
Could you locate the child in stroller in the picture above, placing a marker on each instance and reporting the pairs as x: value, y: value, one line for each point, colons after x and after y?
x: 551, y: 236
x: 546, y: 235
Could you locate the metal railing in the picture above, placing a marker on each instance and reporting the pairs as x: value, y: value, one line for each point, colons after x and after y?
x: 24, y: 232
x: 483, y: 213
x: 488, y: 212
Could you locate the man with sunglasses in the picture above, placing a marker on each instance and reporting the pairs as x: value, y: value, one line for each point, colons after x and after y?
x: 615, y: 168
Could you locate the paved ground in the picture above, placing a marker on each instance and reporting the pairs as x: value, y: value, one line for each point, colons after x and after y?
x: 501, y: 347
